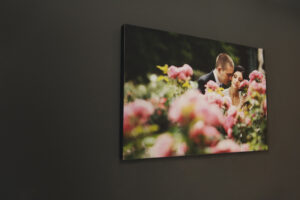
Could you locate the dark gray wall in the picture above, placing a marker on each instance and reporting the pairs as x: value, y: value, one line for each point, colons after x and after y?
x: 60, y: 69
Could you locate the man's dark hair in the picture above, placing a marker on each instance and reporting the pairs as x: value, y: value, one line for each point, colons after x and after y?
x: 223, y: 59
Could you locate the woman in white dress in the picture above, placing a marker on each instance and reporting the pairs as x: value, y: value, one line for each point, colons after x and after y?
x: 233, y: 91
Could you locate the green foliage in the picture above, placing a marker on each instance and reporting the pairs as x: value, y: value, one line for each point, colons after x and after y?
x: 145, y: 48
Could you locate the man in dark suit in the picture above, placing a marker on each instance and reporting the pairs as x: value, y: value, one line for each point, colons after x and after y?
x: 221, y: 74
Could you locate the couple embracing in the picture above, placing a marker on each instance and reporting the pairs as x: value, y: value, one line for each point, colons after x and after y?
x: 226, y: 75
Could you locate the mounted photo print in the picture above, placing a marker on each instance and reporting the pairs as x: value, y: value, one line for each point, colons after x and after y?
x: 186, y: 96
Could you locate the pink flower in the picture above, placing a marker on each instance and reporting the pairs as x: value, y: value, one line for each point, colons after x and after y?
x: 142, y: 109
x: 211, y: 85
x: 162, y: 146
x: 136, y: 113
x: 181, y: 149
x: 214, y: 98
x: 227, y: 102
x: 211, y: 114
x: 256, y: 75
x: 182, y: 109
x: 182, y: 76
x: 173, y: 72
x: 226, y: 146
x: 127, y: 124
x: 229, y: 132
x: 265, y: 106
x: 196, y: 130
x: 181, y: 73
x: 229, y: 122
x: 159, y: 103
x: 193, y: 105
x: 245, y: 147
x: 258, y: 87
x: 205, y: 134
x: 232, y: 111
x: 187, y: 70
x: 244, y: 85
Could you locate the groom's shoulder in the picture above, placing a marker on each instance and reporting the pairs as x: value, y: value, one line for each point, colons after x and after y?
x: 206, y: 77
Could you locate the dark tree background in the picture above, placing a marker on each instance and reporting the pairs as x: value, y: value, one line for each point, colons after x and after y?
x: 146, y: 48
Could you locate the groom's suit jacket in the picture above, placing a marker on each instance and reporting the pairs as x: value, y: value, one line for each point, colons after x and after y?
x: 204, y: 79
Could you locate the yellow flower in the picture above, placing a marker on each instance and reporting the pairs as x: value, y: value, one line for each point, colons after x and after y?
x: 164, y: 68
x: 220, y: 91
x: 186, y: 84
x: 163, y: 78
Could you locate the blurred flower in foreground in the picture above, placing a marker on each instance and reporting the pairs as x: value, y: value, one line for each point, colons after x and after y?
x: 136, y: 113
x: 204, y: 134
x: 226, y: 146
x: 212, y: 86
x: 245, y: 147
x: 181, y: 149
x: 214, y: 98
x: 162, y: 147
x: 230, y: 120
x: 192, y: 105
x: 176, y: 119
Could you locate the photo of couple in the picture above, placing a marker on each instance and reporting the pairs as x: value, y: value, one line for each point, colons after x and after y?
x: 187, y: 96
x: 228, y: 76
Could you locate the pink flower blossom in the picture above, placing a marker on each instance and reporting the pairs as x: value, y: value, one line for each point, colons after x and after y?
x: 196, y: 130
x: 226, y: 146
x: 258, y: 87
x: 142, y: 109
x: 244, y: 84
x: 173, y: 72
x: 193, y: 105
x: 229, y: 132
x: 162, y: 146
x: 211, y: 114
x: 159, y: 103
x: 136, y: 113
x: 127, y: 124
x: 182, y: 109
x: 227, y: 102
x: 229, y: 122
x: 211, y: 85
x: 182, y: 76
x: 181, y: 73
x: 232, y: 111
x: 214, y: 98
x: 256, y: 75
x: 181, y: 149
x: 187, y: 70
x: 265, y: 106
x: 205, y: 134
x: 245, y: 147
